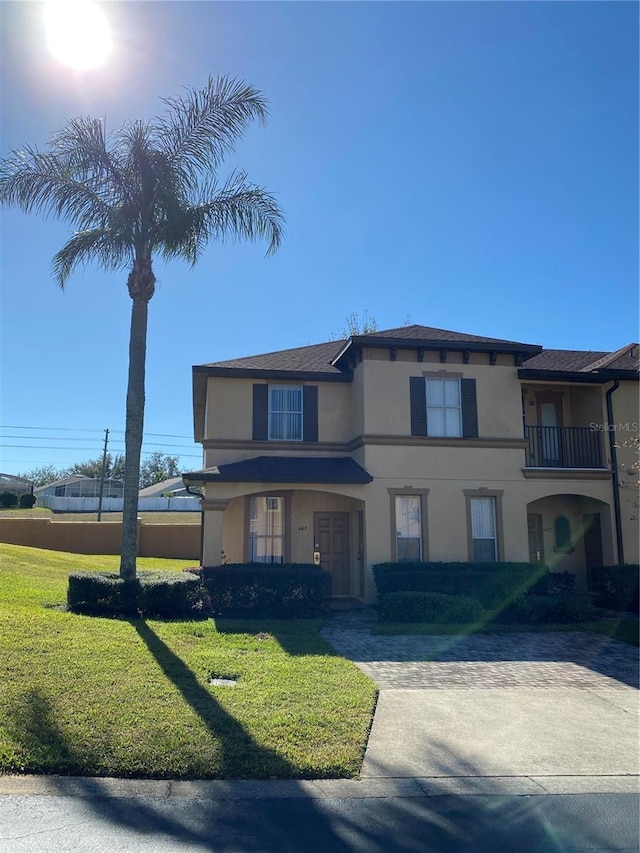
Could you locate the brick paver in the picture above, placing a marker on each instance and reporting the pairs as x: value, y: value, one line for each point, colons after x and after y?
x: 535, y: 661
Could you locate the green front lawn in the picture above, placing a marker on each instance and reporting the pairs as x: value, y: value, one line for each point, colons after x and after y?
x: 91, y: 696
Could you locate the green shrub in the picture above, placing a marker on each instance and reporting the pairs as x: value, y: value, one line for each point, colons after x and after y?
x: 616, y: 587
x: 152, y: 594
x: 428, y: 607
x: 537, y: 609
x: 288, y: 590
x: 492, y: 584
x: 554, y: 583
x: 8, y: 500
x: 27, y: 501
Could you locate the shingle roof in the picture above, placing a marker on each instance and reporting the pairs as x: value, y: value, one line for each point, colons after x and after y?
x: 586, y: 361
x: 284, y: 469
x: 316, y: 358
x: 429, y: 333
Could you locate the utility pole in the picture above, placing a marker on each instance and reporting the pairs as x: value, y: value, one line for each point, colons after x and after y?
x: 104, y: 469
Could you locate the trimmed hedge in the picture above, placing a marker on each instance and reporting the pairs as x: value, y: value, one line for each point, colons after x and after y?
x: 536, y: 609
x: 152, y: 594
x: 285, y: 590
x: 616, y: 587
x: 492, y: 584
x: 27, y: 501
x: 428, y: 607
x: 8, y: 500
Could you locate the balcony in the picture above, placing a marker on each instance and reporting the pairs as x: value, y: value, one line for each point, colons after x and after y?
x: 564, y: 447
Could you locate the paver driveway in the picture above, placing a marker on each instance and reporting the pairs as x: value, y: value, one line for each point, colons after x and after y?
x: 535, y: 709
x: 537, y: 661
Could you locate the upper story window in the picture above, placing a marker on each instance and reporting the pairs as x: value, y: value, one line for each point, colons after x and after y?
x: 444, y: 407
x: 285, y: 413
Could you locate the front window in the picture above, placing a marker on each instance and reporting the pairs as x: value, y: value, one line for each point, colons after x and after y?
x: 266, y: 529
x: 483, y: 530
x: 444, y: 407
x: 285, y: 413
x: 408, y: 528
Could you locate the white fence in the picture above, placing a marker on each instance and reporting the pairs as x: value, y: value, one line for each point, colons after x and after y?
x: 115, y: 504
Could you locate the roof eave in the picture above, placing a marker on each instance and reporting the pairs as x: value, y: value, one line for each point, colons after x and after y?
x: 526, y: 350
x: 270, y: 373
x: 592, y: 378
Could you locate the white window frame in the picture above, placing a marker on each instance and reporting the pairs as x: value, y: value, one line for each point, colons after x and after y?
x: 457, y: 431
x: 400, y: 536
x: 489, y: 500
x: 287, y: 436
x: 272, y: 505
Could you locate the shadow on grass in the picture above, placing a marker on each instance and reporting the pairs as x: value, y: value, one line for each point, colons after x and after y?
x: 295, y: 636
x: 240, y: 755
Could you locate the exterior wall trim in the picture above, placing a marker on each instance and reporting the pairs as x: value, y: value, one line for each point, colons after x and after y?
x: 441, y: 441
x: 362, y: 441
x: 213, y: 505
x: 249, y: 444
x: 566, y: 474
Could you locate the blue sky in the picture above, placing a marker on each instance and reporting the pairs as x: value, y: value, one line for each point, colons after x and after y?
x: 471, y: 166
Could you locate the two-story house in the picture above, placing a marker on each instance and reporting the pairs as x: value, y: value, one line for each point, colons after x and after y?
x: 418, y: 443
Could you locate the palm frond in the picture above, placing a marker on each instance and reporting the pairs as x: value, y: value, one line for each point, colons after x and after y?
x: 239, y: 210
x: 40, y: 182
x: 103, y: 245
x: 203, y: 126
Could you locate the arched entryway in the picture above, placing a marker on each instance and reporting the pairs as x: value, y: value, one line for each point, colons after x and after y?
x: 570, y: 532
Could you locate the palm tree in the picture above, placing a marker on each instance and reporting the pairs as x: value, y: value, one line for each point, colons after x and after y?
x: 148, y: 189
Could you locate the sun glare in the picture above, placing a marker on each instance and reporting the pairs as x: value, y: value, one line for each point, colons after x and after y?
x: 77, y: 32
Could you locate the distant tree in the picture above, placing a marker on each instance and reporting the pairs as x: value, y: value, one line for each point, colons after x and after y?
x: 114, y: 469
x: 158, y: 467
x: 356, y: 325
x: 42, y: 475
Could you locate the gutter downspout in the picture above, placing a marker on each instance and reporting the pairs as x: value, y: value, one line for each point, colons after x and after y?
x: 614, y: 472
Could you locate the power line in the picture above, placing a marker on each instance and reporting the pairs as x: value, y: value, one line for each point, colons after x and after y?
x: 91, y: 429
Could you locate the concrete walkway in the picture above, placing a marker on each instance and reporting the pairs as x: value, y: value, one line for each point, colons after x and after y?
x: 550, y: 710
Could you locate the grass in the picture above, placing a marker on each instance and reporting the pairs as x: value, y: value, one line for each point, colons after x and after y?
x: 147, y: 517
x: 624, y: 629
x: 105, y: 697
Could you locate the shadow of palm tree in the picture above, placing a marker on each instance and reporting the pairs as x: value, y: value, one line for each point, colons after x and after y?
x: 236, y: 744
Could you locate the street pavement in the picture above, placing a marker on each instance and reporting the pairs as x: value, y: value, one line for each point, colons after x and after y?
x: 525, y: 742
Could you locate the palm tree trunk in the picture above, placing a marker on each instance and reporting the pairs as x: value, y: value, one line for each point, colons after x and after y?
x: 133, y: 435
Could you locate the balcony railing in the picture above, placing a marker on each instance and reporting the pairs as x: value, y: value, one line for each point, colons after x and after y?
x: 563, y: 447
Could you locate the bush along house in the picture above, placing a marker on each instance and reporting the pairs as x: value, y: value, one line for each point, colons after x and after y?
x: 419, y: 443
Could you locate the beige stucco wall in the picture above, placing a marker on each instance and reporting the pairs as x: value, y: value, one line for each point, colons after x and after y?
x: 386, y: 395
x: 230, y: 409
x: 626, y: 418
x: 178, y: 541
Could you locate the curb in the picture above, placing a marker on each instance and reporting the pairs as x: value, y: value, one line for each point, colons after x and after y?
x: 95, y: 787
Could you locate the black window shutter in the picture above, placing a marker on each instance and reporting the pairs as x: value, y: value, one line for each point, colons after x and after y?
x: 469, y: 408
x: 418, y: 400
x: 310, y: 413
x: 260, y: 412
